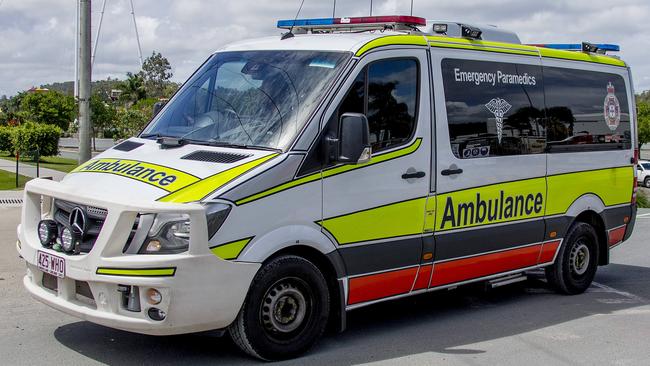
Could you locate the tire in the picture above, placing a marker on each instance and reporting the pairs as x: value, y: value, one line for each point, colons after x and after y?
x: 576, y: 263
x: 285, y: 312
x: 646, y: 182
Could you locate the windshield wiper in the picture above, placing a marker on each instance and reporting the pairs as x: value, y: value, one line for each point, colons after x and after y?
x: 150, y: 135
x: 239, y: 146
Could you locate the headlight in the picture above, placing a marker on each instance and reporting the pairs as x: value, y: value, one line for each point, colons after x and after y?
x: 170, y: 233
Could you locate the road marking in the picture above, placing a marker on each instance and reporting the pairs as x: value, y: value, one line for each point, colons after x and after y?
x: 605, y: 288
x: 643, y: 215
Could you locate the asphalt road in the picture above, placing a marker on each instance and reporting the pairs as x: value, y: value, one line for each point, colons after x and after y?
x: 514, y: 325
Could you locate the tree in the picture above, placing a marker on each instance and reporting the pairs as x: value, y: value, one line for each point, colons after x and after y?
x: 643, y: 119
x: 132, y: 88
x: 102, y: 115
x: 129, y: 122
x: 49, y: 108
x: 156, y: 72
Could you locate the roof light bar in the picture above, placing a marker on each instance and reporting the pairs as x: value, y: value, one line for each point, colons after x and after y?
x: 386, y: 20
x: 579, y: 46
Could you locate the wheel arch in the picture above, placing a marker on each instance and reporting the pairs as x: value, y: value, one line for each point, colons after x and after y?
x: 311, y: 244
x: 589, y: 209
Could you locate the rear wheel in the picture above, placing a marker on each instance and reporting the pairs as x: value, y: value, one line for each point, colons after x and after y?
x: 576, y: 263
x: 285, y: 312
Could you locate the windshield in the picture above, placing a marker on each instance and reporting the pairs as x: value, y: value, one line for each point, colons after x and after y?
x: 251, y: 98
x: 646, y: 166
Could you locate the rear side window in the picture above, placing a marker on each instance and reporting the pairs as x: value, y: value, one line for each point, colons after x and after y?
x: 587, y: 110
x: 493, y: 108
x: 386, y: 92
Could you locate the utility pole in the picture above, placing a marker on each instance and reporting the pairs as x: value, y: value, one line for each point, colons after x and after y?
x: 84, y: 80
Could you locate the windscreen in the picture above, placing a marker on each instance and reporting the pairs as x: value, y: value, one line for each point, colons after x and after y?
x: 250, y: 98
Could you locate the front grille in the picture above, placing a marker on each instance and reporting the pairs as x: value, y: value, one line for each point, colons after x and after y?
x: 95, y: 217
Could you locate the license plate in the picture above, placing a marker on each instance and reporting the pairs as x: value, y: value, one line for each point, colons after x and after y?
x: 51, y: 264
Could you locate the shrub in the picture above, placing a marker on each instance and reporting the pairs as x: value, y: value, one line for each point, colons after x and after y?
x: 30, y: 136
x: 5, y: 139
x: 642, y: 201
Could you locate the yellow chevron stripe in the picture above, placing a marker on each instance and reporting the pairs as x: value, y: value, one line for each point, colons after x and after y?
x: 376, y: 159
x: 202, y: 188
x: 230, y: 250
x: 389, y: 221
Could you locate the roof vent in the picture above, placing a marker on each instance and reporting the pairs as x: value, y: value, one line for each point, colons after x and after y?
x: 215, y: 156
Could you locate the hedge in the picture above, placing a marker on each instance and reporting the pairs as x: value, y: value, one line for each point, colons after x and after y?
x: 5, y: 139
x: 29, y: 137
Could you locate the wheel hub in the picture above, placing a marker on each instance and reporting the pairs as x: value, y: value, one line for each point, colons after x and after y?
x: 579, y: 259
x: 284, y: 308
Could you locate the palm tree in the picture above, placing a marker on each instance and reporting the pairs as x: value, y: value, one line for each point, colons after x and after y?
x: 132, y: 88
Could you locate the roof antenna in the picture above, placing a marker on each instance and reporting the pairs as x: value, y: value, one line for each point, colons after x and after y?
x: 290, y: 33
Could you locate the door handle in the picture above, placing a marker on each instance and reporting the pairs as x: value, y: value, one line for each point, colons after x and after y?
x: 448, y: 172
x: 413, y: 175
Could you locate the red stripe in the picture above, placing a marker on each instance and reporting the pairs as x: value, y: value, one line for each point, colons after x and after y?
x: 424, y: 275
x: 381, y: 285
x: 548, y: 251
x: 484, y: 265
x: 616, y: 235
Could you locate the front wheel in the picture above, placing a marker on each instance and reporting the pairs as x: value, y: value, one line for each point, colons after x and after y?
x: 285, y: 312
x: 646, y: 182
x: 576, y: 263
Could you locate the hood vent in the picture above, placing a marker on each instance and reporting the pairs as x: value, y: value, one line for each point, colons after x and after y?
x: 215, y: 157
x: 127, y: 145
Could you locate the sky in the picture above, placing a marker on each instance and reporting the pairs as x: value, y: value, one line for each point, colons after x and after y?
x: 37, y: 36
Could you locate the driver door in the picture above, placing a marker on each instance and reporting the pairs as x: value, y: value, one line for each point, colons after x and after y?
x: 374, y: 211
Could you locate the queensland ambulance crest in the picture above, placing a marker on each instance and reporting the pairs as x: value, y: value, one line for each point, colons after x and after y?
x: 499, y: 108
x: 612, y: 108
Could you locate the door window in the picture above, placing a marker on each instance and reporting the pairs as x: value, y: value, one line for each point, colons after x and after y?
x: 386, y: 92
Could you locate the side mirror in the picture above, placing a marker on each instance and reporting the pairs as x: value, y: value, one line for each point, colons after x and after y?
x: 157, y: 107
x: 353, y: 144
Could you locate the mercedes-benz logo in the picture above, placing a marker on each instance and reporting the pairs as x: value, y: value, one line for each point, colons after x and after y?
x: 78, y: 220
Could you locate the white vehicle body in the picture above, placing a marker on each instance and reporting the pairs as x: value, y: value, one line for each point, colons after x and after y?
x: 643, y: 173
x: 379, y: 230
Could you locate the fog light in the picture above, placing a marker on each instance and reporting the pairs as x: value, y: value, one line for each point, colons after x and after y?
x: 47, y: 232
x: 153, y: 296
x: 68, y: 239
x: 156, y: 314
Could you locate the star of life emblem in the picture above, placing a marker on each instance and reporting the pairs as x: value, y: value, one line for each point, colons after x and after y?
x: 499, y: 108
x: 612, y: 108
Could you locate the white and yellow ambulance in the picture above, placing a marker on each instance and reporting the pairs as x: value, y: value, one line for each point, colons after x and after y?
x: 352, y: 161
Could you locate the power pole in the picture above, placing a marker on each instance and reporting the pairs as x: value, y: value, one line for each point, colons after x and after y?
x: 84, y: 80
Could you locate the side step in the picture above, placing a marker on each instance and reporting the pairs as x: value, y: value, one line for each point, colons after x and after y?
x: 506, y: 280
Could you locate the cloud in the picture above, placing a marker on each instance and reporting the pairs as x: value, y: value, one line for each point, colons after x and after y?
x: 37, y: 37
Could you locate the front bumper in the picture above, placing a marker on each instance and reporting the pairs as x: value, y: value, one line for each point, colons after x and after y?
x: 204, y: 292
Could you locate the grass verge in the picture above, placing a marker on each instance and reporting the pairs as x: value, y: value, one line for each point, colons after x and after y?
x: 8, y: 181
x: 50, y: 162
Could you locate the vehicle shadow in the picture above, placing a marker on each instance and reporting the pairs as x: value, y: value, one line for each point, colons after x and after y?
x: 442, y: 322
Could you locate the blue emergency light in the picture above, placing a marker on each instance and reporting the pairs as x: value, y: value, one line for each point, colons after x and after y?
x: 579, y: 46
x: 352, y: 21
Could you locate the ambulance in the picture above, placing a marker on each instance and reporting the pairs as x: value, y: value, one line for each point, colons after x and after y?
x: 351, y: 161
